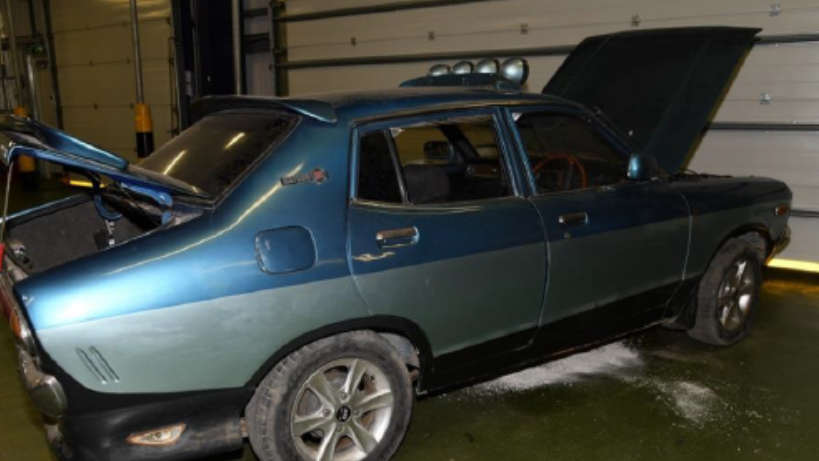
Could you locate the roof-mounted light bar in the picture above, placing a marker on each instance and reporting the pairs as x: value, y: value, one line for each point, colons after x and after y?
x: 513, y: 69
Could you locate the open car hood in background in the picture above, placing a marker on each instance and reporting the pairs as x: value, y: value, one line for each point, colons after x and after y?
x: 20, y: 136
x: 659, y: 87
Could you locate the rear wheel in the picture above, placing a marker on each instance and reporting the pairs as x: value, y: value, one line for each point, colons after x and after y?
x: 344, y: 398
x: 728, y: 295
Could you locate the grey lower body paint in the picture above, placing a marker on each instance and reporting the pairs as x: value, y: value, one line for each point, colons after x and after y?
x: 206, y: 345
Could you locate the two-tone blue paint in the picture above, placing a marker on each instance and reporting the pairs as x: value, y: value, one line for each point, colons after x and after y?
x: 209, y: 267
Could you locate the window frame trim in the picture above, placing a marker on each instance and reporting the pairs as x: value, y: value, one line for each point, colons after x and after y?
x: 492, y: 113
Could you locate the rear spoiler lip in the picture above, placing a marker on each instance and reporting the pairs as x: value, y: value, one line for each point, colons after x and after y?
x: 316, y: 109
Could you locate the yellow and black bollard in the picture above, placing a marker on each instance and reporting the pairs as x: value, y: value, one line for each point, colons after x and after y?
x: 28, y: 166
x: 144, y: 130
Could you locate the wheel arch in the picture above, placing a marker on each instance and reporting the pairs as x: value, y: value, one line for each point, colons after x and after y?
x: 745, y: 232
x: 683, y: 316
x: 397, y: 331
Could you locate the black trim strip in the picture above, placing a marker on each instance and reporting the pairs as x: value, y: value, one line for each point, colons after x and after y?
x: 557, y: 50
x: 561, y: 50
x: 373, y: 9
x: 762, y: 126
x: 805, y: 214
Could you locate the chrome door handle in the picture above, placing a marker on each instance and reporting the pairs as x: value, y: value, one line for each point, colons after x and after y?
x: 573, y: 219
x: 394, y: 238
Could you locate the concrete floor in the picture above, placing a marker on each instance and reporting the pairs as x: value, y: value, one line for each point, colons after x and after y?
x: 658, y: 395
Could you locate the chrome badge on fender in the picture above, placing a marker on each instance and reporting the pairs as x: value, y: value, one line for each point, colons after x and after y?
x: 317, y: 176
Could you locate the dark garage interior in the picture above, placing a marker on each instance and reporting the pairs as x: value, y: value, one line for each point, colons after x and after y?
x: 227, y: 234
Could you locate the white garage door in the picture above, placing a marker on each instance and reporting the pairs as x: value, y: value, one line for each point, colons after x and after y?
x: 777, y: 88
x: 94, y: 54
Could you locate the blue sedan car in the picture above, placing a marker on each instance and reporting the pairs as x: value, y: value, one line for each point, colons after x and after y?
x: 295, y: 271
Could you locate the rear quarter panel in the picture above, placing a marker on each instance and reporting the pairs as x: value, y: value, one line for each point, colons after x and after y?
x: 190, y: 308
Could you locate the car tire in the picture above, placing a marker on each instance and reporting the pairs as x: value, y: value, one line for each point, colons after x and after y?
x: 728, y: 295
x: 350, y: 393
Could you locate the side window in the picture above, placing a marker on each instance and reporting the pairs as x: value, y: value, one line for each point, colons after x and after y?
x: 377, y: 175
x: 438, y: 162
x: 451, y: 161
x: 567, y: 153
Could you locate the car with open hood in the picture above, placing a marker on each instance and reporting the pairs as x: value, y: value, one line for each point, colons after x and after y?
x: 297, y: 271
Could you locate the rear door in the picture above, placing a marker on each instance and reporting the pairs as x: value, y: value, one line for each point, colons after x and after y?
x: 617, y: 248
x: 439, y: 234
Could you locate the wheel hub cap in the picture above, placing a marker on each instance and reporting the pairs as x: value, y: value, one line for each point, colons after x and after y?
x: 344, y: 413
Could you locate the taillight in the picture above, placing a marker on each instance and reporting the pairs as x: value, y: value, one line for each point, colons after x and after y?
x: 16, y: 325
x: 5, y: 306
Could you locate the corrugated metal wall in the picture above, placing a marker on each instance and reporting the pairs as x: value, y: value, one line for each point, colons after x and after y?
x: 788, y: 74
x: 94, y: 54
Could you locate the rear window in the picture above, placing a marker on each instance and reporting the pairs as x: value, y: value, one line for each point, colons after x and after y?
x: 215, y: 152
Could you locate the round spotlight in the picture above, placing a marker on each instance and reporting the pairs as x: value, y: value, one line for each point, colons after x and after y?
x: 439, y: 69
x: 516, y: 70
x: 487, y: 66
x: 463, y: 67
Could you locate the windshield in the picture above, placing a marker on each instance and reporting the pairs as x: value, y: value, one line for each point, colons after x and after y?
x: 215, y: 152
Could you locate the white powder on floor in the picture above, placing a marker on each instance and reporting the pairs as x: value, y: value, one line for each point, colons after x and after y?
x: 609, y: 360
x: 694, y: 402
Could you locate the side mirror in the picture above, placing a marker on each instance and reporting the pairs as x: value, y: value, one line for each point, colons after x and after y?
x: 643, y: 167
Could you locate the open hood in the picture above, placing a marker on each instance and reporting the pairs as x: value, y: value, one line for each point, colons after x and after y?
x: 657, y: 86
x: 20, y: 136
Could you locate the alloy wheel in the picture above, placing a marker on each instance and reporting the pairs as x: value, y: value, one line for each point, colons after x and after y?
x: 342, y: 411
x: 736, y: 295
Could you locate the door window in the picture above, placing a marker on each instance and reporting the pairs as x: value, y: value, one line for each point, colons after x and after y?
x: 439, y: 162
x: 568, y: 153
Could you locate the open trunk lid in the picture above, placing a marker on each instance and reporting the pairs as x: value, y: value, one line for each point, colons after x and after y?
x: 30, y: 138
x: 658, y: 86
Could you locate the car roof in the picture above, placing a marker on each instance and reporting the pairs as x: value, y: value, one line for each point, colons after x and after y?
x: 331, y: 107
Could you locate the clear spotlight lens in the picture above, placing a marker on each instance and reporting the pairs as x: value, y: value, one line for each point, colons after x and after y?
x: 159, y: 437
x: 516, y: 70
x: 463, y: 67
x: 487, y: 66
x: 439, y: 69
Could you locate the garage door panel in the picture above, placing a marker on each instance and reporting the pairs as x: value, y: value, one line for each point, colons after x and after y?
x: 778, y: 111
x: 112, y: 44
x: 804, y: 143
x: 491, y: 24
x: 792, y: 157
x: 86, y: 86
x: 804, y: 241
x: 83, y: 14
x: 104, y: 126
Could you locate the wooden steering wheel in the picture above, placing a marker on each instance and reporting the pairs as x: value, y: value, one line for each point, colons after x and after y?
x: 571, y: 160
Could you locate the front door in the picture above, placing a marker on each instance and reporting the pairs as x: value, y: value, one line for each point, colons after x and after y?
x: 617, y: 248
x: 439, y: 235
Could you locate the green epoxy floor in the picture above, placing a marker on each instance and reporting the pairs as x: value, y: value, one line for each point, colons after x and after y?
x: 656, y: 396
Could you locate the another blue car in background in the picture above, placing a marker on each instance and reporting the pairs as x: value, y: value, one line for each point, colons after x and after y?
x: 295, y: 271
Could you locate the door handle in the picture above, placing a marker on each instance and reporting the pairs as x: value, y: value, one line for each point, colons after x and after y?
x: 394, y: 238
x: 573, y: 219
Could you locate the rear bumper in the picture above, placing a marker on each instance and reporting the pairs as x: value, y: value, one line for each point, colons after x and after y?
x: 212, y: 426
x: 45, y: 391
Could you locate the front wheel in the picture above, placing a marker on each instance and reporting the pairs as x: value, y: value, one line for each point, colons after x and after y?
x: 728, y: 295
x: 343, y: 398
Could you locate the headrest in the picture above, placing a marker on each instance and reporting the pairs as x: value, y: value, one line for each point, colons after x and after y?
x: 426, y: 184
